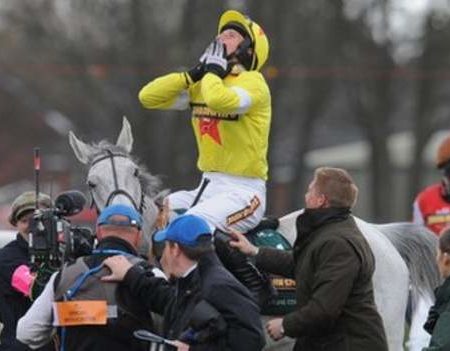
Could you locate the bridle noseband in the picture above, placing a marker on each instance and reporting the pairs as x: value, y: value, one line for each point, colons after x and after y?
x: 117, y: 191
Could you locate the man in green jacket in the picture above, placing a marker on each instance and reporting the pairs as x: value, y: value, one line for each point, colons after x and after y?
x: 438, y: 322
x: 333, y: 266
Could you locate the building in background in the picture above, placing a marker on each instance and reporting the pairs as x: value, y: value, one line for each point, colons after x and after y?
x: 355, y: 157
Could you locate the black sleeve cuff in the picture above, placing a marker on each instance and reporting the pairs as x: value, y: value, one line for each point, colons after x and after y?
x: 133, y: 275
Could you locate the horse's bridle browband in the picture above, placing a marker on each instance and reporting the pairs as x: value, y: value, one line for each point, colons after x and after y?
x: 111, y: 155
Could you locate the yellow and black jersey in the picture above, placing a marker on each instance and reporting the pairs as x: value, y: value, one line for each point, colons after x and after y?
x: 231, y: 118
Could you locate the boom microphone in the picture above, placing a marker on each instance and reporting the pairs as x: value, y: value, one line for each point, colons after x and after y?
x: 70, y: 202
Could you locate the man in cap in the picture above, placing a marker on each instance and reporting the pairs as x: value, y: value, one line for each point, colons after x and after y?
x: 231, y: 114
x: 432, y: 205
x: 431, y: 209
x: 202, y: 304
x: 15, y: 277
x: 106, y: 314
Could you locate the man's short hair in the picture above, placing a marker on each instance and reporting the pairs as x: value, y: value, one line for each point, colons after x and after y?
x: 444, y: 240
x: 337, y: 185
x: 204, y: 245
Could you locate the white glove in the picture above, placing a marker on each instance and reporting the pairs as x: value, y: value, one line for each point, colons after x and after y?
x: 216, y: 59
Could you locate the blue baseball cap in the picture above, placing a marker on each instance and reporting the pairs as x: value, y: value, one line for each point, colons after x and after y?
x: 185, y: 230
x: 134, y: 218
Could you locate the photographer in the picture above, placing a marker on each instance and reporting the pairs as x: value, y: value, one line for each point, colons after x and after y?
x: 15, y: 278
x: 66, y: 295
x: 204, y: 306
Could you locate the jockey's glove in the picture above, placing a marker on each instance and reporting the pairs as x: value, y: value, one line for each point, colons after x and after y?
x: 216, y: 59
x: 197, y: 72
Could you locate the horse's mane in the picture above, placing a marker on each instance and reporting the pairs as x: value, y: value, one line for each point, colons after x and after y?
x: 416, y: 251
x: 151, y: 184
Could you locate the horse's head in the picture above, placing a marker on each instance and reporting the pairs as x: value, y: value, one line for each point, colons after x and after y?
x: 115, y: 177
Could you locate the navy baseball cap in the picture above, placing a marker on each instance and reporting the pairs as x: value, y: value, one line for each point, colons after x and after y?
x: 185, y: 230
x: 134, y: 218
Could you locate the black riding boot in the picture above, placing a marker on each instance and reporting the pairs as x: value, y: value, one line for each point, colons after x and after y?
x: 243, y: 269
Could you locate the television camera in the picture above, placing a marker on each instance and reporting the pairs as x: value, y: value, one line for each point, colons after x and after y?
x: 53, y: 240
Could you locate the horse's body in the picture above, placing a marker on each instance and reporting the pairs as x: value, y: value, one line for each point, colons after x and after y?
x: 404, y: 253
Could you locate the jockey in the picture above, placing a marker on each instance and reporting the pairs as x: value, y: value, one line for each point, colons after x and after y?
x: 231, y: 114
x: 432, y: 205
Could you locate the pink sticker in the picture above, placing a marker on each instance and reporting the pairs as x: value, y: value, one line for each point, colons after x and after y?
x: 22, y: 279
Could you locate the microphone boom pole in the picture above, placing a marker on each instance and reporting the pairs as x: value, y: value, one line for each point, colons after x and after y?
x: 37, y: 167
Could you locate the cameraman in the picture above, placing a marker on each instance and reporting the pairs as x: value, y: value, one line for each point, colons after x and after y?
x: 65, y: 295
x: 14, y: 261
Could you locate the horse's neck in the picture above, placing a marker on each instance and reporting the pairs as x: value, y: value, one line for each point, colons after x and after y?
x: 150, y: 215
x: 287, y: 225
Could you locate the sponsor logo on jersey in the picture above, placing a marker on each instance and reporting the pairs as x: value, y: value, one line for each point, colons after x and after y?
x: 203, y: 111
x: 439, y: 218
x: 245, y: 212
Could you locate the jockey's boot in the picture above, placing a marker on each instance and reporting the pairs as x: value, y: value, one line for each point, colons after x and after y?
x: 243, y: 268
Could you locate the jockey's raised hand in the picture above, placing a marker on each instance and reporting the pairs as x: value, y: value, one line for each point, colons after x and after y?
x: 241, y: 243
x: 216, y: 59
x: 197, y: 72
x: 216, y: 55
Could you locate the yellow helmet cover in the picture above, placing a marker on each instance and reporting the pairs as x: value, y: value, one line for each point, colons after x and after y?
x: 256, y: 33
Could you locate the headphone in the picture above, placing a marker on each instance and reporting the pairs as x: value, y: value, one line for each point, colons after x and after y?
x: 246, y: 59
x: 243, y: 55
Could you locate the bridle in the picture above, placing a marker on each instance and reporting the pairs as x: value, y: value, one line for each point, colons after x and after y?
x: 117, y: 191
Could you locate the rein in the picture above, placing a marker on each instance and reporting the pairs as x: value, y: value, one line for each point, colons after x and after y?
x: 117, y: 191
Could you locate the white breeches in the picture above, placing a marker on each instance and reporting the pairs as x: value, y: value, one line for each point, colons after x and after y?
x: 227, y: 201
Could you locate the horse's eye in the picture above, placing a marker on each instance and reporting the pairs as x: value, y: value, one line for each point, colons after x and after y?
x: 136, y: 172
x: 91, y: 184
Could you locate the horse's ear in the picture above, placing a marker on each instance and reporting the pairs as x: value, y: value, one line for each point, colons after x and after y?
x: 125, y: 138
x: 82, y: 150
x: 159, y: 197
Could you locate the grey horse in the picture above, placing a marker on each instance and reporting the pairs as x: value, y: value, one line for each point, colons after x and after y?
x: 115, y: 177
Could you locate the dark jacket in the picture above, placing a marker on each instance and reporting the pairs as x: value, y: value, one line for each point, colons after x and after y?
x: 333, y: 266
x: 118, y: 333
x: 438, y: 322
x: 211, y: 282
x: 13, y: 304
